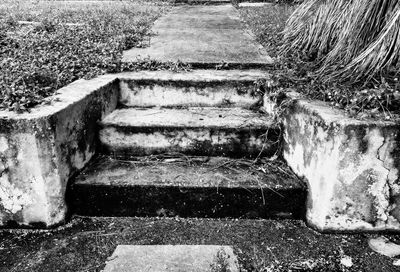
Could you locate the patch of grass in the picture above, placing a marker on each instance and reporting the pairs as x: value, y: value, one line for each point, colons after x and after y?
x: 38, y: 59
x: 267, y: 23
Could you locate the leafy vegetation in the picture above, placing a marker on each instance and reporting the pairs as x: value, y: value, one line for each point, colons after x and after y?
x: 37, y: 59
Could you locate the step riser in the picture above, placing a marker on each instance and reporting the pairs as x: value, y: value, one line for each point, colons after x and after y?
x: 187, y: 202
x: 125, y: 142
x: 206, y: 94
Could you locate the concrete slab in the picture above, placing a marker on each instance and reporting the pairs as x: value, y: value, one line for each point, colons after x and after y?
x: 203, y: 36
x: 196, y: 131
x: 172, y: 258
x: 188, y: 187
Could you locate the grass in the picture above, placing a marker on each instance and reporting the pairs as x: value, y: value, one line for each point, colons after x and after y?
x: 38, y: 59
x: 267, y: 24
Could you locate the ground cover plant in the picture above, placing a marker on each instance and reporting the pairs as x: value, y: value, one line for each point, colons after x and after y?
x: 71, y: 40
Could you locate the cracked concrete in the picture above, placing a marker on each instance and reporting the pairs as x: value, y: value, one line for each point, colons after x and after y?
x: 42, y: 149
x: 351, y: 167
x: 196, y: 131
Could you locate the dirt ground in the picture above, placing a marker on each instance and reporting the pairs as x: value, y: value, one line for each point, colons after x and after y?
x: 84, y: 244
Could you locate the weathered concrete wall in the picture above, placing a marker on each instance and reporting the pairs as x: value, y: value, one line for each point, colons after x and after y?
x: 351, y: 166
x: 41, y: 150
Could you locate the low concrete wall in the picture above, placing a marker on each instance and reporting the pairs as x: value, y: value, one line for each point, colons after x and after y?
x: 42, y: 149
x: 351, y: 166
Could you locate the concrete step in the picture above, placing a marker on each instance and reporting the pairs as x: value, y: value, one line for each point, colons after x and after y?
x: 203, y: 2
x: 220, y: 88
x: 214, y: 187
x: 208, y: 131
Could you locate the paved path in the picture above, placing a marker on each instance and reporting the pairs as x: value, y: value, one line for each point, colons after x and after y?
x: 203, y: 36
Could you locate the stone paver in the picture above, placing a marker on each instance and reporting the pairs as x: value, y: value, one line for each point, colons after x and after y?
x: 172, y: 258
x: 203, y: 36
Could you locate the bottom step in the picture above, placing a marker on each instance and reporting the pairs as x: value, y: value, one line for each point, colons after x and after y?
x: 188, y: 187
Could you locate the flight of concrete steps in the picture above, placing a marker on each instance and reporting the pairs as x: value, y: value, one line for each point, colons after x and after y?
x: 192, y: 145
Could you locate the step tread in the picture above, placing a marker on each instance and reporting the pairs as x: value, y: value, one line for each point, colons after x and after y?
x: 187, y: 187
x: 192, y: 117
x: 198, y: 75
x: 194, y: 172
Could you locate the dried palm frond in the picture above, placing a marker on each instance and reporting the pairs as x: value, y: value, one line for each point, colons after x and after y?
x: 380, y: 56
x: 350, y: 39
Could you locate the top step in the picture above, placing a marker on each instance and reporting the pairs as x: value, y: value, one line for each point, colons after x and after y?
x: 203, y: 2
x: 196, y: 88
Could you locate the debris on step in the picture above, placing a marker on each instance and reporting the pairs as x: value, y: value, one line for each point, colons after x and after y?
x: 233, y: 132
x: 214, y: 187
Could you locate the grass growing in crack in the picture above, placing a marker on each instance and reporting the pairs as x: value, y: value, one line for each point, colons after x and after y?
x: 38, y: 59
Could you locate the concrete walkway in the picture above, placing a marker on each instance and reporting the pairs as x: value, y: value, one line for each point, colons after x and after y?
x: 203, y: 36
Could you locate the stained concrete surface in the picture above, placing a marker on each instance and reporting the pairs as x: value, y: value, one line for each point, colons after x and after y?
x: 172, y: 258
x: 219, y: 88
x: 194, y: 131
x: 202, y: 36
x: 193, y: 117
x: 188, y: 187
x: 351, y: 166
x: 41, y: 149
